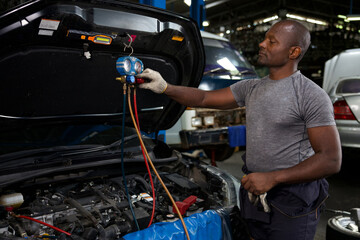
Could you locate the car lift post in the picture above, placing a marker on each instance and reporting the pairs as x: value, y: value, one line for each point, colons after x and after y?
x: 197, y: 9
x: 154, y: 3
x: 197, y: 12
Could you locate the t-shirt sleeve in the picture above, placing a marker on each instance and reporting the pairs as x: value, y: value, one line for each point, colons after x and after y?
x: 241, y: 89
x: 318, y: 109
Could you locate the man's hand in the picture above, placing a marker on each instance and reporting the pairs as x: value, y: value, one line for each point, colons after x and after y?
x: 157, y: 84
x: 258, y: 183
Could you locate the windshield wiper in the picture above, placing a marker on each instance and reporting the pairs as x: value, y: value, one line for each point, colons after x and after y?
x: 216, y: 70
x: 247, y: 71
x: 228, y: 72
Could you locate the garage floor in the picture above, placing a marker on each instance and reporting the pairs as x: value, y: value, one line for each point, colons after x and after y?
x: 344, y: 187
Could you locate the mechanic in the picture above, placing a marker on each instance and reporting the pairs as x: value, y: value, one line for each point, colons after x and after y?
x: 292, y: 142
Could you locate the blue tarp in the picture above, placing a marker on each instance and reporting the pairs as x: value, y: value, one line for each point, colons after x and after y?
x: 237, y: 135
x: 201, y: 226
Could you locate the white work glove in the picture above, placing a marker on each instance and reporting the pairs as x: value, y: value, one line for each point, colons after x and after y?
x: 254, y: 199
x: 157, y: 84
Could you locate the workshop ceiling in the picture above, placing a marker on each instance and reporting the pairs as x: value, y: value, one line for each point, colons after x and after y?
x: 237, y: 13
x: 234, y: 13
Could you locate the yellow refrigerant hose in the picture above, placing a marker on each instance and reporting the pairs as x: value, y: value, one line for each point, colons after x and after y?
x: 153, y: 167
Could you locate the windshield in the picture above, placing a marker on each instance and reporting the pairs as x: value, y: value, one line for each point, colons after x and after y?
x: 348, y: 86
x: 222, y: 56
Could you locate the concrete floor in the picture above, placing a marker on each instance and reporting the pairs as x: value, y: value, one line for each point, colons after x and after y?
x: 344, y: 186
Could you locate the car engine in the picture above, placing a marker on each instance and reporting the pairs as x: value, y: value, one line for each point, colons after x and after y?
x: 94, y: 205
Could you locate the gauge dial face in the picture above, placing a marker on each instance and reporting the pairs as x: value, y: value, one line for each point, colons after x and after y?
x: 138, y: 67
x: 127, y: 65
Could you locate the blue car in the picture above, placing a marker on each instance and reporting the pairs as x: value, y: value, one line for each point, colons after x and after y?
x: 211, y: 130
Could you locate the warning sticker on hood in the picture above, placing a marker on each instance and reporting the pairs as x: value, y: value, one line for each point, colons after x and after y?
x: 49, y: 24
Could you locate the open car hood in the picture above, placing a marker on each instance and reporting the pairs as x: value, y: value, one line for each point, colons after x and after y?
x: 51, y: 76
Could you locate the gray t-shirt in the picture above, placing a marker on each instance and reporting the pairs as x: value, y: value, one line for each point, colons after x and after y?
x: 278, y: 113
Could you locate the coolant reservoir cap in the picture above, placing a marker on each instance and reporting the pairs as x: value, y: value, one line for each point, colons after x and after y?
x: 13, y: 200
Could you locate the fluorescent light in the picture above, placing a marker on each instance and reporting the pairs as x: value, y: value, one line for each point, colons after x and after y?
x: 187, y: 2
x: 270, y: 18
x: 293, y: 16
x: 205, y: 23
x: 353, y: 17
x: 341, y: 16
x: 310, y: 20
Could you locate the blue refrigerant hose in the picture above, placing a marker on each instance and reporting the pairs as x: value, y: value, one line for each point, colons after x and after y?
x: 122, y: 159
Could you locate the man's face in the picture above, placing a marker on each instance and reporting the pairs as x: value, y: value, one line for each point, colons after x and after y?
x: 274, y: 50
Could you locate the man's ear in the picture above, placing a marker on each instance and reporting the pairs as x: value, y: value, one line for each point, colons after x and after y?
x: 294, y: 52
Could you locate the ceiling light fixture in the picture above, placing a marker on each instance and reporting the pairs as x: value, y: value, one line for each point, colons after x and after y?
x: 310, y: 20
x: 353, y: 17
x: 270, y: 19
x: 205, y: 23
x: 293, y: 16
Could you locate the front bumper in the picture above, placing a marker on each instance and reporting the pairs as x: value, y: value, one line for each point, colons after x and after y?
x: 204, y: 137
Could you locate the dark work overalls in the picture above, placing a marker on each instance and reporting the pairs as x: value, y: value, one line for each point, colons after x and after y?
x: 295, y: 211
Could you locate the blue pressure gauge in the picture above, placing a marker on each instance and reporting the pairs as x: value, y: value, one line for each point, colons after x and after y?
x: 129, y: 65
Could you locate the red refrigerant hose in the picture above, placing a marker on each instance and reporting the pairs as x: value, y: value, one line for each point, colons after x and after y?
x: 155, y: 171
x: 43, y: 223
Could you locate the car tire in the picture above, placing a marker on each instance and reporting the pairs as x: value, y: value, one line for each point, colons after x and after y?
x: 336, y: 229
x: 222, y: 152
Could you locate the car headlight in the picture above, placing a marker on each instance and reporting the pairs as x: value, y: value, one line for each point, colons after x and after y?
x: 196, y: 121
x: 209, y: 120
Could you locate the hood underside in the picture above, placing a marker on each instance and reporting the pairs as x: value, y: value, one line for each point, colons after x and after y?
x: 54, y: 71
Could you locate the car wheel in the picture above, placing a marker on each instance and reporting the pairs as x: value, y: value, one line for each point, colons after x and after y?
x: 338, y: 229
x: 222, y: 152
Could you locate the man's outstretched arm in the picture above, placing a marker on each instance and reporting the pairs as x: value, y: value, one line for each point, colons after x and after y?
x: 187, y: 96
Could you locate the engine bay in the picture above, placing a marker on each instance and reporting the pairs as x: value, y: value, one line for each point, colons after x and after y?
x: 94, y: 206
